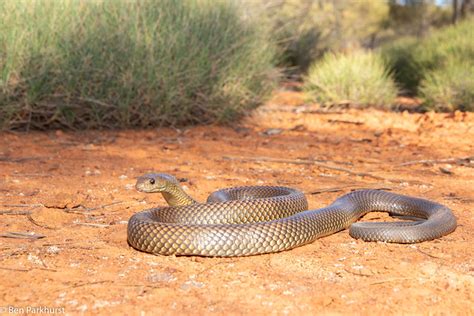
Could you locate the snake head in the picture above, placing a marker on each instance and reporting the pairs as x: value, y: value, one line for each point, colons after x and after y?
x: 155, y: 182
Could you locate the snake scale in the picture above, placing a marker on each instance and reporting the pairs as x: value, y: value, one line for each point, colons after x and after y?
x: 252, y: 220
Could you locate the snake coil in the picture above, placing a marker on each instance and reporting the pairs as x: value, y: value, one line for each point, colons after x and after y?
x: 252, y: 220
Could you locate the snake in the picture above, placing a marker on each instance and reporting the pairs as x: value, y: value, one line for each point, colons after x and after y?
x: 253, y: 220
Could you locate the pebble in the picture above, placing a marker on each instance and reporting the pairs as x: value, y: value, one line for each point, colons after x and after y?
x: 162, y: 277
x: 272, y: 131
x: 192, y: 283
x: 82, y: 308
x: 53, y: 250
x: 35, y: 259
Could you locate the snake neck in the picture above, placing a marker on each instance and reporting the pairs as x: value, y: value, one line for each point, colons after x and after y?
x: 175, y: 196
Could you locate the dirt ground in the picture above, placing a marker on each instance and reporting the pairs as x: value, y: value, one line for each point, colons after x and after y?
x: 76, y: 191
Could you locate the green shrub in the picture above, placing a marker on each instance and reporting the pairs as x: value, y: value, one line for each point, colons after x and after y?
x: 93, y: 64
x: 360, y: 78
x: 412, y: 60
x: 305, y: 29
x: 402, y: 64
x: 449, y: 88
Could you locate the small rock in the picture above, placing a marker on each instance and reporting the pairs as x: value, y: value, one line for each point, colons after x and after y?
x: 446, y: 169
x: 162, y: 277
x: 191, y: 283
x: 53, y: 250
x: 82, y: 308
x: 272, y: 131
x: 34, y: 259
x: 287, y: 292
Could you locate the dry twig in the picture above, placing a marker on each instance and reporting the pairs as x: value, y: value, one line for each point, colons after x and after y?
x: 81, y: 209
x: 345, y: 122
x: 318, y: 164
x: 21, y: 205
x: 29, y: 269
x: 21, y: 235
x: 18, y: 159
x: 390, y: 280
x: 458, y: 160
x: 93, y: 224
x: 350, y: 187
x: 14, y: 212
x: 36, y: 223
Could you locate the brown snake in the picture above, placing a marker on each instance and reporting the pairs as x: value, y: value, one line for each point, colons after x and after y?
x: 244, y: 221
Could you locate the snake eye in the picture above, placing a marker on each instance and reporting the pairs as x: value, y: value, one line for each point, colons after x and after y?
x: 152, y: 181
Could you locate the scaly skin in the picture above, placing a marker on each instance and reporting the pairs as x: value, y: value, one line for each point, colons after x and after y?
x: 254, y: 220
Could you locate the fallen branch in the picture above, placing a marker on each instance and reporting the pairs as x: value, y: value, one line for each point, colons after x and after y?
x: 26, y: 270
x: 458, y: 160
x: 14, y: 269
x: 358, y: 273
x: 345, y: 122
x: 33, y: 175
x: 106, y: 205
x: 81, y: 209
x: 18, y: 159
x: 350, y: 187
x: 36, y: 223
x: 93, y: 224
x: 430, y: 255
x: 328, y: 190
x: 21, y: 205
x: 20, y: 235
x: 90, y: 283
x: 319, y: 164
x: 391, y: 280
x: 14, y: 212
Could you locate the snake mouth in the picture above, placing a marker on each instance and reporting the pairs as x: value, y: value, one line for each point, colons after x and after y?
x: 149, y: 184
x: 155, y: 182
x: 148, y: 188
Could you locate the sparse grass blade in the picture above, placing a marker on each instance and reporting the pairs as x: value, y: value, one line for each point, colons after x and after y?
x: 449, y: 88
x: 438, y: 68
x: 360, y: 78
x: 110, y: 64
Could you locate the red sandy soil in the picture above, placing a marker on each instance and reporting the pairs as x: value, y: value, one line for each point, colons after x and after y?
x: 77, y: 190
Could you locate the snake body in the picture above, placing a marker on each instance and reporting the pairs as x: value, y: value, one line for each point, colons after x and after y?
x: 252, y: 220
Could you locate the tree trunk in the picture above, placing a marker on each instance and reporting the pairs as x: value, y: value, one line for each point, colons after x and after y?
x: 466, y: 7
x: 455, y: 12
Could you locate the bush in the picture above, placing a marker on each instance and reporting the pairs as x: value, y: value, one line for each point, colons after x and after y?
x: 94, y: 64
x: 402, y: 64
x: 449, y: 88
x: 305, y: 30
x: 411, y: 61
x: 360, y: 78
